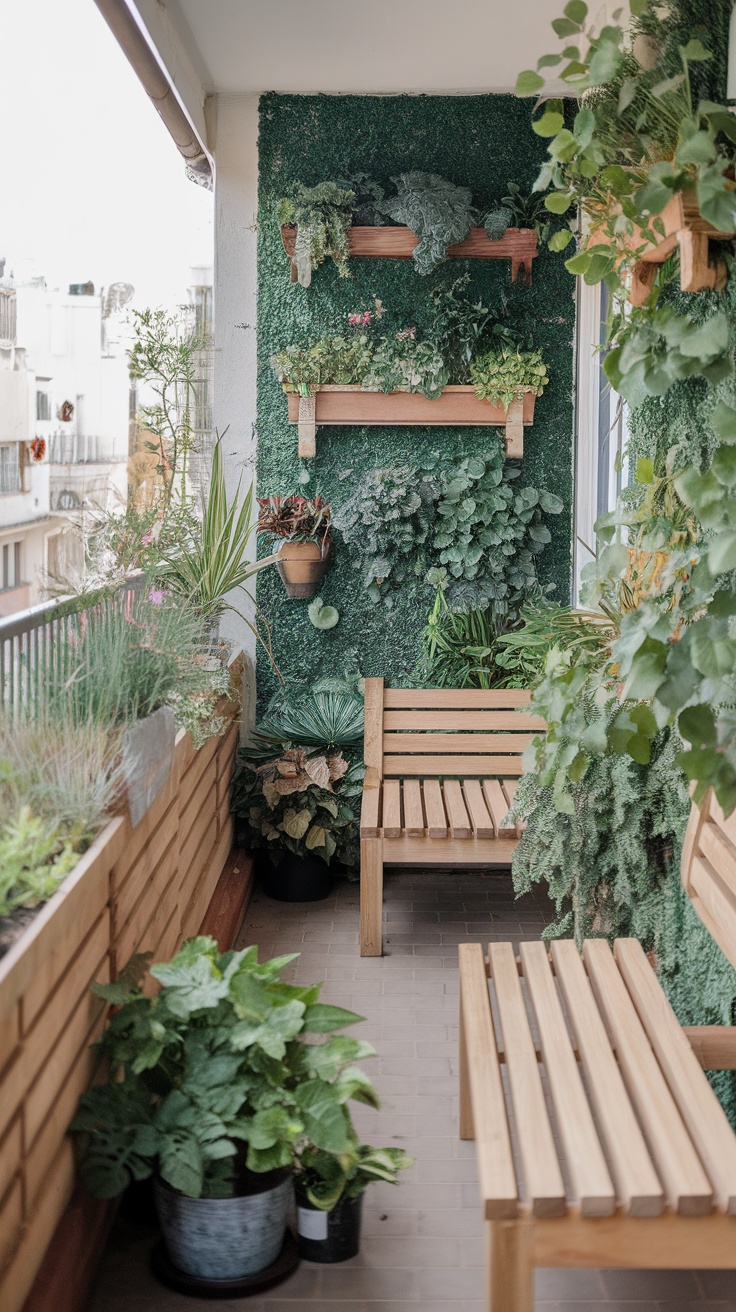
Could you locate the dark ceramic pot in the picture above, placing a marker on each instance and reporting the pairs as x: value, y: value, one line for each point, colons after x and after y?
x: 297, y: 879
x: 226, y: 1238
x: 328, y: 1236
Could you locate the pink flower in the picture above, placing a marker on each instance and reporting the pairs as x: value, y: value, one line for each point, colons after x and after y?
x: 360, y: 320
x: 156, y: 596
x: 408, y: 332
x: 147, y: 538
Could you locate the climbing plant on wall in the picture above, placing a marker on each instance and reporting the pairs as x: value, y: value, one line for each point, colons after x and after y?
x: 476, y: 142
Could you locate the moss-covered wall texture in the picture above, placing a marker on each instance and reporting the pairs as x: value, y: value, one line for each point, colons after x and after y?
x: 482, y: 142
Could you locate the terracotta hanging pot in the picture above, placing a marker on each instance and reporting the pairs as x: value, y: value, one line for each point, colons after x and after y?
x: 302, y: 567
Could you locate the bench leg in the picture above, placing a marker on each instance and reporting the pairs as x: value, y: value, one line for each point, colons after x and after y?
x: 371, y: 896
x: 510, y: 1272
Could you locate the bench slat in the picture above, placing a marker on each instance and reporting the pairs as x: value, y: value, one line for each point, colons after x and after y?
x: 455, y: 742
x: 498, y: 806
x: 638, y: 1187
x: 454, y: 766
x: 370, y: 813
x: 478, y: 811
x: 496, y: 1172
x: 541, y: 1169
x: 589, y: 1173
x: 508, y: 787
x: 413, y: 812
x: 470, y: 721
x: 437, y: 698
x: 687, y: 1187
x: 698, y: 1104
x: 460, y: 826
x: 392, y: 808
x: 433, y: 805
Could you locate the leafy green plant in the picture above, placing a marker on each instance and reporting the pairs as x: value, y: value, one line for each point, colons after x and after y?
x: 655, y: 348
x: 466, y: 519
x: 327, y: 1179
x: 387, y: 364
x: 440, y: 213
x: 517, y: 210
x: 58, y: 783
x: 462, y: 327
x: 214, y: 1073
x: 304, y: 803
x: 164, y: 356
x: 323, y: 215
x: 211, y: 562
x: 521, y: 652
x: 401, y: 363
x: 457, y: 648
x: 322, y: 616
x: 501, y: 376
x: 368, y: 195
x: 638, y: 139
x: 324, y: 719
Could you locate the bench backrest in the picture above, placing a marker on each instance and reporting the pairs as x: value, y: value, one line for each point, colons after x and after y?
x: 432, y: 732
x: 709, y: 871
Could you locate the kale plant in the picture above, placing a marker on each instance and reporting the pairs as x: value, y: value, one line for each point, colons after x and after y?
x: 440, y: 213
x: 368, y: 196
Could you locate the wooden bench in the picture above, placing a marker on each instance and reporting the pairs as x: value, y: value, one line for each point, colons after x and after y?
x: 441, y: 771
x: 600, y: 1142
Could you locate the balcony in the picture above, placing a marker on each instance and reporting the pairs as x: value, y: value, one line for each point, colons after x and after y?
x: 442, y: 721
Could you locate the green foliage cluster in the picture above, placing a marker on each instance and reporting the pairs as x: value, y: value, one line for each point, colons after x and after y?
x: 325, y: 719
x: 327, y: 1179
x: 323, y: 214
x: 214, y: 1073
x: 457, y: 647
x: 500, y: 376
x: 310, y: 138
x: 607, y: 860
x: 308, y: 804
x: 468, y: 520
x: 388, y: 364
x: 58, y: 782
x: 439, y: 212
x: 640, y: 137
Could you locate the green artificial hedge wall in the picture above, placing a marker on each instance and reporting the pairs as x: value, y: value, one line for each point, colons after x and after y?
x: 482, y: 142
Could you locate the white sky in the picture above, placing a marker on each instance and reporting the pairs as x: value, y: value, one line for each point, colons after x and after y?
x: 91, y: 185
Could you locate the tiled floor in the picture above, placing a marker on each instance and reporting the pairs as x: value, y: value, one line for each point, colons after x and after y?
x: 423, y: 1242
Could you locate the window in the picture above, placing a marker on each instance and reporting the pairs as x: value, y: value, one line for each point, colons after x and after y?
x: 8, y: 315
x: 9, y: 467
x: 43, y: 405
x: 600, y: 466
x: 11, y: 566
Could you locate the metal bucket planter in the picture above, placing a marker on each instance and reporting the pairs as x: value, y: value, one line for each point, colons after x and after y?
x: 302, y: 567
x: 226, y: 1238
x: 328, y: 1236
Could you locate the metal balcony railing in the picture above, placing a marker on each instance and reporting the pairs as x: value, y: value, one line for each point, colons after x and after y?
x: 37, y: 646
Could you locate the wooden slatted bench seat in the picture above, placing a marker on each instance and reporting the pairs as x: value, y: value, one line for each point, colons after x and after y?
x: 599, y: 1140
x: 441, y: 771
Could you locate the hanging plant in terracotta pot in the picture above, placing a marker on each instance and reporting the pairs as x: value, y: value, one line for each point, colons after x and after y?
x: 303, y: 528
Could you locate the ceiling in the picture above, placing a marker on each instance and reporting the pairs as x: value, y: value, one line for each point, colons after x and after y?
x: 240, y: 46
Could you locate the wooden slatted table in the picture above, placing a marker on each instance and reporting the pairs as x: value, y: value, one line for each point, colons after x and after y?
x: 621, y: 1153
x: 441, y: 772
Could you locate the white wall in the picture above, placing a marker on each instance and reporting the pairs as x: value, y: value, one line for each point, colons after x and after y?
x: 233, y: 132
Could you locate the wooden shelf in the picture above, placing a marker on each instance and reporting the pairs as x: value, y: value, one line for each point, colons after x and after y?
x: 517, y: 244
x: 458, y: 407
x: 684, y: 227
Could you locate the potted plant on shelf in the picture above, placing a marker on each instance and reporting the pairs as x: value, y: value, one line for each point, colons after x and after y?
x: 303, y: 528
x: 304, y: 811
x: 504, y: 375
x: 329, y: 1196
x: 213, y: 1090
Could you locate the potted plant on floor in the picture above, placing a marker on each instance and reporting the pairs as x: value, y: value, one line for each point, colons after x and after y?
x: 303, y: 810
x: 212, y: 1090
x: 303, y: 528
x: 329, y: 1196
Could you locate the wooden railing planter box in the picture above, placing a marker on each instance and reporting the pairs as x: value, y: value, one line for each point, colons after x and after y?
x: 517, y: 244
x: 457, y: 406
x: 134, y: 890
x: 684, y: 227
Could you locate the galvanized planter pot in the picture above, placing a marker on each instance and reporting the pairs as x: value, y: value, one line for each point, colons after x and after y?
x: 225, y: 1238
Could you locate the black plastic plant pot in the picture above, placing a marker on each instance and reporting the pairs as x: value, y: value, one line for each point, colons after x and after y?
x: 328, y: 1236
x: 297, y: 879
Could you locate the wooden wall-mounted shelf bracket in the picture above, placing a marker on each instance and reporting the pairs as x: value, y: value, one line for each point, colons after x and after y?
x: 683, y: 227
x: 458, y: 406
x: 519, y: 245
